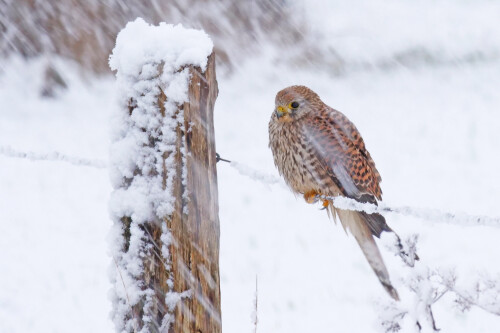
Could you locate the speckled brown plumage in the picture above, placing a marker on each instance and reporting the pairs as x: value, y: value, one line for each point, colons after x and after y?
x: 319, y: 151
x: 329, y: 142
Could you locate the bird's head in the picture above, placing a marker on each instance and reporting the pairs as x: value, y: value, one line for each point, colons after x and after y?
x: 295, y: 102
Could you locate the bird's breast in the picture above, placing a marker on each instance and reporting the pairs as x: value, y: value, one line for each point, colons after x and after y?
x: 295, y: 158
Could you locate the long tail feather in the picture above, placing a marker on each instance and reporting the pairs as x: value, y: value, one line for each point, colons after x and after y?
x: 361, y: 227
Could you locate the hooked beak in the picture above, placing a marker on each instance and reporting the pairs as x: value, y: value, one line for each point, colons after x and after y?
x: 281, y: 111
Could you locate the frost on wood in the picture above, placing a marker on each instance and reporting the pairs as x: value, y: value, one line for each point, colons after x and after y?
x: 150, y: 157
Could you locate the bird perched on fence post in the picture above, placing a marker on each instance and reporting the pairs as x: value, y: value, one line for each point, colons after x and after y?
x: 321, y: 155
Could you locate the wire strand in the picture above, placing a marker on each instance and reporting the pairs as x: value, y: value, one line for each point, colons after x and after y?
x: 436, y: 215
x: 52, y: 156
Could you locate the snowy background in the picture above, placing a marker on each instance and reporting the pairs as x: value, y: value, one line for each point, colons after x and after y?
x: 420, y: 80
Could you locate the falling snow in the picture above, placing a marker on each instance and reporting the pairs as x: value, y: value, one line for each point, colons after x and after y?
x: 420, y: 81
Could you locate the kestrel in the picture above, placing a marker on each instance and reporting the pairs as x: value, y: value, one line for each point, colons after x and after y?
x: 320, y: 153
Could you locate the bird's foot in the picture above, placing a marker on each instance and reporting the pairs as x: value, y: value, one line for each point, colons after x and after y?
x: 311, y: 196
x: 325, y: 205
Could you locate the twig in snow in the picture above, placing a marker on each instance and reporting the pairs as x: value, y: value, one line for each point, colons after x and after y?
x: 485, y: 294
x: 407, y: 251
x: 429, y: 286
x: 255, y: 317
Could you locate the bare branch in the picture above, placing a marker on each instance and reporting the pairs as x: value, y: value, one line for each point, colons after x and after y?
x: 428, y: 286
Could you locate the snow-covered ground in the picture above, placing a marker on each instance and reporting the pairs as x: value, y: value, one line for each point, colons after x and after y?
x: 54, y: 215
x: 433, y: 131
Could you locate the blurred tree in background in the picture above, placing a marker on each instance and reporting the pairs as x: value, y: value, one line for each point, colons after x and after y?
x: 85, y: 31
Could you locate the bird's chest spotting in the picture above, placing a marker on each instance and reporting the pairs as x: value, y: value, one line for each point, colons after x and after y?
x: 295, y: 159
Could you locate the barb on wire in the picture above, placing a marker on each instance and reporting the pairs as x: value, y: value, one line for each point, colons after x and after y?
x: 218, y: 158
x: 52, y: 156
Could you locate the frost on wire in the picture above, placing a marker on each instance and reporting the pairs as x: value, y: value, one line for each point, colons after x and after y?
x: 149, y: 61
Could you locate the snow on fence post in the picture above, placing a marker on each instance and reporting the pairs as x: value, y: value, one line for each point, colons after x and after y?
x: 165, y: 237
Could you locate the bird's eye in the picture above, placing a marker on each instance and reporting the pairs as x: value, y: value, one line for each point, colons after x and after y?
x: 294, y: 105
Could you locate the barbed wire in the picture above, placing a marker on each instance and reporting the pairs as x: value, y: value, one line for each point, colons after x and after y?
x: 52, y: 156
x: 436, y: 215
x: 462, y: 219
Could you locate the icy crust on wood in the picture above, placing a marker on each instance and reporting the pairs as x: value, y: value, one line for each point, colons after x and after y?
x: 153, y: 80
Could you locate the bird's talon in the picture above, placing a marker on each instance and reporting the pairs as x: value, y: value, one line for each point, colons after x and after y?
x: 325, y: 204
x: 311, y: 197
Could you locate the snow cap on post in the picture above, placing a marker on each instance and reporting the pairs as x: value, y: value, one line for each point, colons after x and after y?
x: 149, y: 61
x: 139, y: 43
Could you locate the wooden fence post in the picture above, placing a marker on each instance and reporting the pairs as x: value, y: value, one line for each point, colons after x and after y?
x: 165, y: 240
x: 195, y: 253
